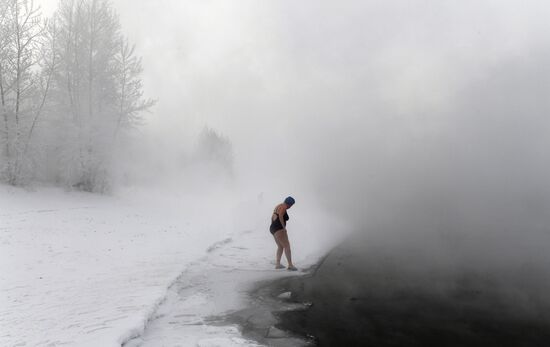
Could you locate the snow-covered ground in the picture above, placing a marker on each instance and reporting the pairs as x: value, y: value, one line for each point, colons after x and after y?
x: 211, y: 287
x: 80, y: 269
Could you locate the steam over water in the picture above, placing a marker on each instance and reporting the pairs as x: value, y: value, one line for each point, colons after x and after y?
x: 424, y: 126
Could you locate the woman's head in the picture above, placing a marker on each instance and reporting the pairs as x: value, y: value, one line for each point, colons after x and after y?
x: 289, y: 201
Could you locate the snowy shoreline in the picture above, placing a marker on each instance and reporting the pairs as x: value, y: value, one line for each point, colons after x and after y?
x: 87, y: 270
x: 198, y: 302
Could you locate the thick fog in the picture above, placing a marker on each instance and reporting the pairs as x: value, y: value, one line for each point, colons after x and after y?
x: 379, y: 108
x: 401, y: 117
x: 144, y: 145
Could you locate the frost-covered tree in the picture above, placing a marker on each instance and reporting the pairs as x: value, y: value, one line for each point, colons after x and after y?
x: 215, y: 149
x: 68, y: 89
x: 21, y: 28
x: 5, y: 37
x: 36, y: 141
x: 129, y: 88
x: 99, y: 90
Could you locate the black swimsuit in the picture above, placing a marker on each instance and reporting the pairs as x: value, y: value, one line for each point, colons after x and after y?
x: 276, y: 224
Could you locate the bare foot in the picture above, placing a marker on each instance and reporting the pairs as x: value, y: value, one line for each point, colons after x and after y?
x: 279, y: 266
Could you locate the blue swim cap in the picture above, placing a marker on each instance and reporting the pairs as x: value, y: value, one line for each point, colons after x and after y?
x: 290, y: 201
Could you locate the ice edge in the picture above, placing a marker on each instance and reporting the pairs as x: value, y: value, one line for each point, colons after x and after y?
x: 138, y: 331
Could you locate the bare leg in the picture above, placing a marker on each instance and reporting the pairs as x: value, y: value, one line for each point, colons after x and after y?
x: 279, y: 255
x: 280, y: 248
x: 286, y: 245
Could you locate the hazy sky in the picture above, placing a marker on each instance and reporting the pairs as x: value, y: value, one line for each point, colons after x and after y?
x: 370, y: 103
x: 237, y: 65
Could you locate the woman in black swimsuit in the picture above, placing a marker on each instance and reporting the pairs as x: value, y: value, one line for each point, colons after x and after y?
x: 278, y: 230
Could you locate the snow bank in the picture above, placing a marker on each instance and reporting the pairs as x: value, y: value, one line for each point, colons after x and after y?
x: 88, y: 270
x: 82, y: 269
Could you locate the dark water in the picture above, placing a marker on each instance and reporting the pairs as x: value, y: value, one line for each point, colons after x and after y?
x: 366, y: 295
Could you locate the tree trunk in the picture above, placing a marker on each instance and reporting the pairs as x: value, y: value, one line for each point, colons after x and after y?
x: 5, y: 114
x: 13, y: 173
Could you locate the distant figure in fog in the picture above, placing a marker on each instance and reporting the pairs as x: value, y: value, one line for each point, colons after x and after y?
x: 278, y: 230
